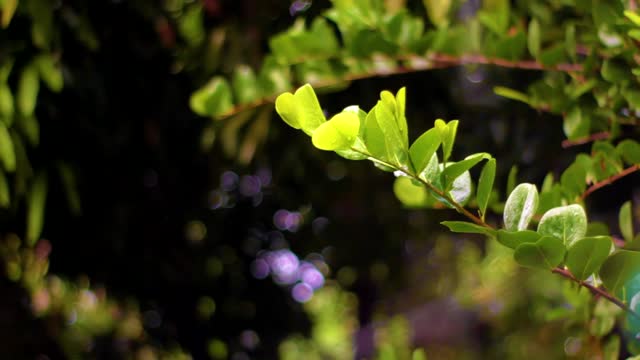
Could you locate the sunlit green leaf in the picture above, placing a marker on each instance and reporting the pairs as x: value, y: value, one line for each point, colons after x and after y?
x: 586, y: 255
x: 568, y: 223
x: 520, y: 207
x: 423, y: 148
x: 546, y: 253
x: 512, y: 178
x: 373, y: 137
x: 310, y: 115
x: 339, y: 133
x: 287, y: 109
x: 618, y: 269
x: 512, y: 239
x: 393, y: 137
x: 485, y: 185
x: 625, y: 219
x: 409, y: 193
x: 448, y: 133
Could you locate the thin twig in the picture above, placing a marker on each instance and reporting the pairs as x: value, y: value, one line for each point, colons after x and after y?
x: 520, y: 64
x: 609, y: 180
x: 429, y: 62
x: 587, y: 139
x: 432, y: 188
x: 595, y: 290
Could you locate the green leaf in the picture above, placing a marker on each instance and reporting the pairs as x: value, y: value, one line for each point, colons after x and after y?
x: 400, y: 102
x: 615, y: 71
x: 512, y: 239
x: 468, y: 227
x: 568, y: 223
x: 511, y: 94
x: 50, y: 72
x: 438, y: 11
x: 635, y: 18
x: 373, y: 137
x: 448, y: 133
x: 586, y: 255
x: 28, y: 87
x: 245, y: 84
x: 396, y: 150
x: 461, y: 188
x: 485, y: 185
x: 453, y: 171
x: 553, y: 55
x: 339, y: 133
x: 618, y: 269
x: 7, y: 152
x: 409, y: 193
x: 629, y: 150
x: 625, y: 219
x: 30, y: 128
x: 597, y: 228
x: 5, y: 198
x: 287, y: 109
x: 8, y: 10
x: 423, y: 149
x: 573, y: 179
x: 213, y: 99
x: 301, y: 110
x: 309, y: 112
x: 6, y: 101
x: 512, y: 178
x: 533, y: 38
x: 36, y: 200
x: 576, y: 124
x: 546, y: 253
x: 418, y: 354
x: 520, y: 207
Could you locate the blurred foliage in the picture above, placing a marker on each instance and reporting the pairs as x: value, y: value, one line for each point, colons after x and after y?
x: 178, y: 216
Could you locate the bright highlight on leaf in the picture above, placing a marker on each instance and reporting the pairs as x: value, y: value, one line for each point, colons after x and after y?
x: 339, y: 133
x: 568, y: 223
x: 520, y: 207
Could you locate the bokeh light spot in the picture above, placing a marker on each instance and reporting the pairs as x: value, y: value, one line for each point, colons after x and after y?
x: 302, y: 292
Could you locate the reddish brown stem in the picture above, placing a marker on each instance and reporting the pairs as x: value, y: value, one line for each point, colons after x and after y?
x: 609, y: 180
x: 587, y: 139
x: 595, y: 290
x: 521, y: 64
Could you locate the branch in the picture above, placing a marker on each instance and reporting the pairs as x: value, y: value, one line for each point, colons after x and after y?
x: 432, y: 188
x: 520, y: 64
x: 595, y: 290
x: 424, y: 63
x: 609, y: 180
x: 587, y: 139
